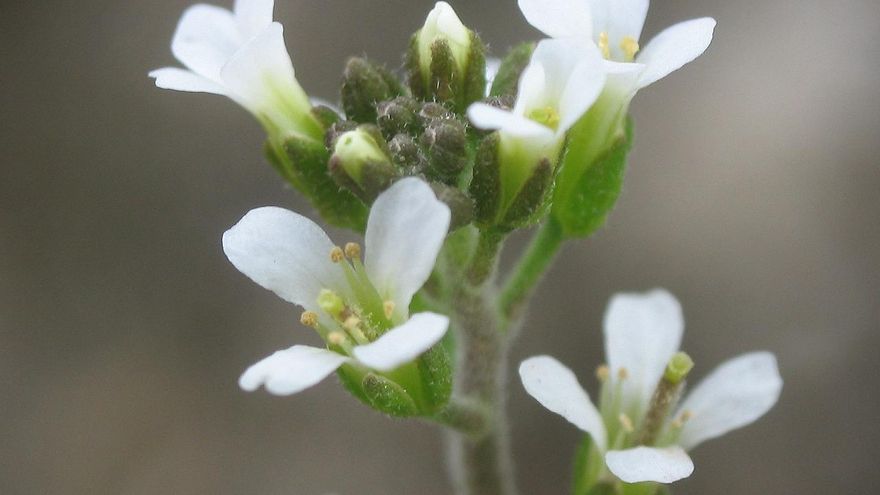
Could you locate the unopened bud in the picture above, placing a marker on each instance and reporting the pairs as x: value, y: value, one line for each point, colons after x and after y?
x: 407, y: 155
x: 364, y: 85
x: 446, y: 60
x: 445, y: 142
x: 399, y: 116
x: 361, y: 165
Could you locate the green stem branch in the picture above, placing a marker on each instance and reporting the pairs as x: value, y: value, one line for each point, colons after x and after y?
x: 530, y: 268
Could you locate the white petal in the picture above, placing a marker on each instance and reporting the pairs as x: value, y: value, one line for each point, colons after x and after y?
x: 492, y: 66
x: 284, y: 252
x: 485, y: 116
x: 642, y: 332
x: 737, y: 393
x: 584, y: 85
x: 675, y: 47
x: 184, y: 80
x: 405, y: 231
x: 291, y: 370
x: 252, y: 16
x: 261, y: 72
x: 404, y: 343
x: 650, y: 464
x: 626, y: 18
x: 554, y: 385
x: 559, y: 18
x: 205, y: 39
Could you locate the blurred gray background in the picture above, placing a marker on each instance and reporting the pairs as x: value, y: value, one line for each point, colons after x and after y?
x: 752, y: 194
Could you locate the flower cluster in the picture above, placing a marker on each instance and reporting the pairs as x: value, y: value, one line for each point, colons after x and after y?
x: 435, y: 169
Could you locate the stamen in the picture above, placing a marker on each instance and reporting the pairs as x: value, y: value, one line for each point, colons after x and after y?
x: 353, y: 250
x: 309, y: 319
x: 683, y: 418
x: 603, y: 373
x: 626, y: 423
x: 630, y: 47
x: 603, y: 45
x: 388, y: 308
x: 336, y: 254
x: 622, y: 374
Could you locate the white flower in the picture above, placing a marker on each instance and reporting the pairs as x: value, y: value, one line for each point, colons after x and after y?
x: 614, y: 26
x: 240, y: 54
x: 642, y: 334
x: 558, y: 86
x: 360, y: 309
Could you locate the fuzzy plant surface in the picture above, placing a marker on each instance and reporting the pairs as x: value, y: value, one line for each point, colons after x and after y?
x: 436, y: 163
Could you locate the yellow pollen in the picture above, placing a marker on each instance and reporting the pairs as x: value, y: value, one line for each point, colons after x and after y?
x: 630, y: 47
x: 351, y: 322
x: 336, y: 254
x: 603, y: 45
x: 602, y: 373
x: 352, y: 250
x: 336, y: 338
x: 309, y: 318
x: 388, y: 307
x: 622, y: 374
x: 626, y: 423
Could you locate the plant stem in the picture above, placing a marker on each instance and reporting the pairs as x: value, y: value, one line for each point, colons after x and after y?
x: 481, y: 464
x: 530, y: 268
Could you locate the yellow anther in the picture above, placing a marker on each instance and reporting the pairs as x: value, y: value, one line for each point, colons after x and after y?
x: 626, y: 423
x: 351, y: 322
x: 630, y: 47
x: 352, y: 250
x: 683, y: 418
x: 388, y: 308
x: 336, y: 254
x: 603, y: 45
x: 602, y: 373
x: 622, y: 373
x: 336, y: 338
x: 309, y: 319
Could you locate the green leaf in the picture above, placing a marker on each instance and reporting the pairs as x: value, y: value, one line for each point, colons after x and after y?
x: 590, y: 198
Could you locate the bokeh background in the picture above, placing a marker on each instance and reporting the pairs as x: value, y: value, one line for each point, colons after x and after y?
x: 753, y: 194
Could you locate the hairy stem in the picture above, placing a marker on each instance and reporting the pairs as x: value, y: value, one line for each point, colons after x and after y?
x: 481, y: 464
x: 530, y: 268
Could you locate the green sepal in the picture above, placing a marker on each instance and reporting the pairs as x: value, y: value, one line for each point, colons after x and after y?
x: 443, y: 72
x: 364, y: 85
x: 485, y: 186
x: 326, y: 116
x: 474, y: 80
x: 399, y: 116
x: 413, y: 66
x: 512, y: 66
x: 407, y: 155
x: 303, y: 163
x: 588, y: 200
x: 388, y: 397
x: 530, y: 204
x: 352, y: 379
x: 435, y: 369
x: 588, y: 467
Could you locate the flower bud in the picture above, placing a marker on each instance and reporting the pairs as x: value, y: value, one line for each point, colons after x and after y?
x: 399, y: 116
x: 364, y: 85
x: 360, y: 165
x: 303, y: 163
x: 445, y: 142
x: 446, y: 60
x: 485, y: 186
x: 407, y: 155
